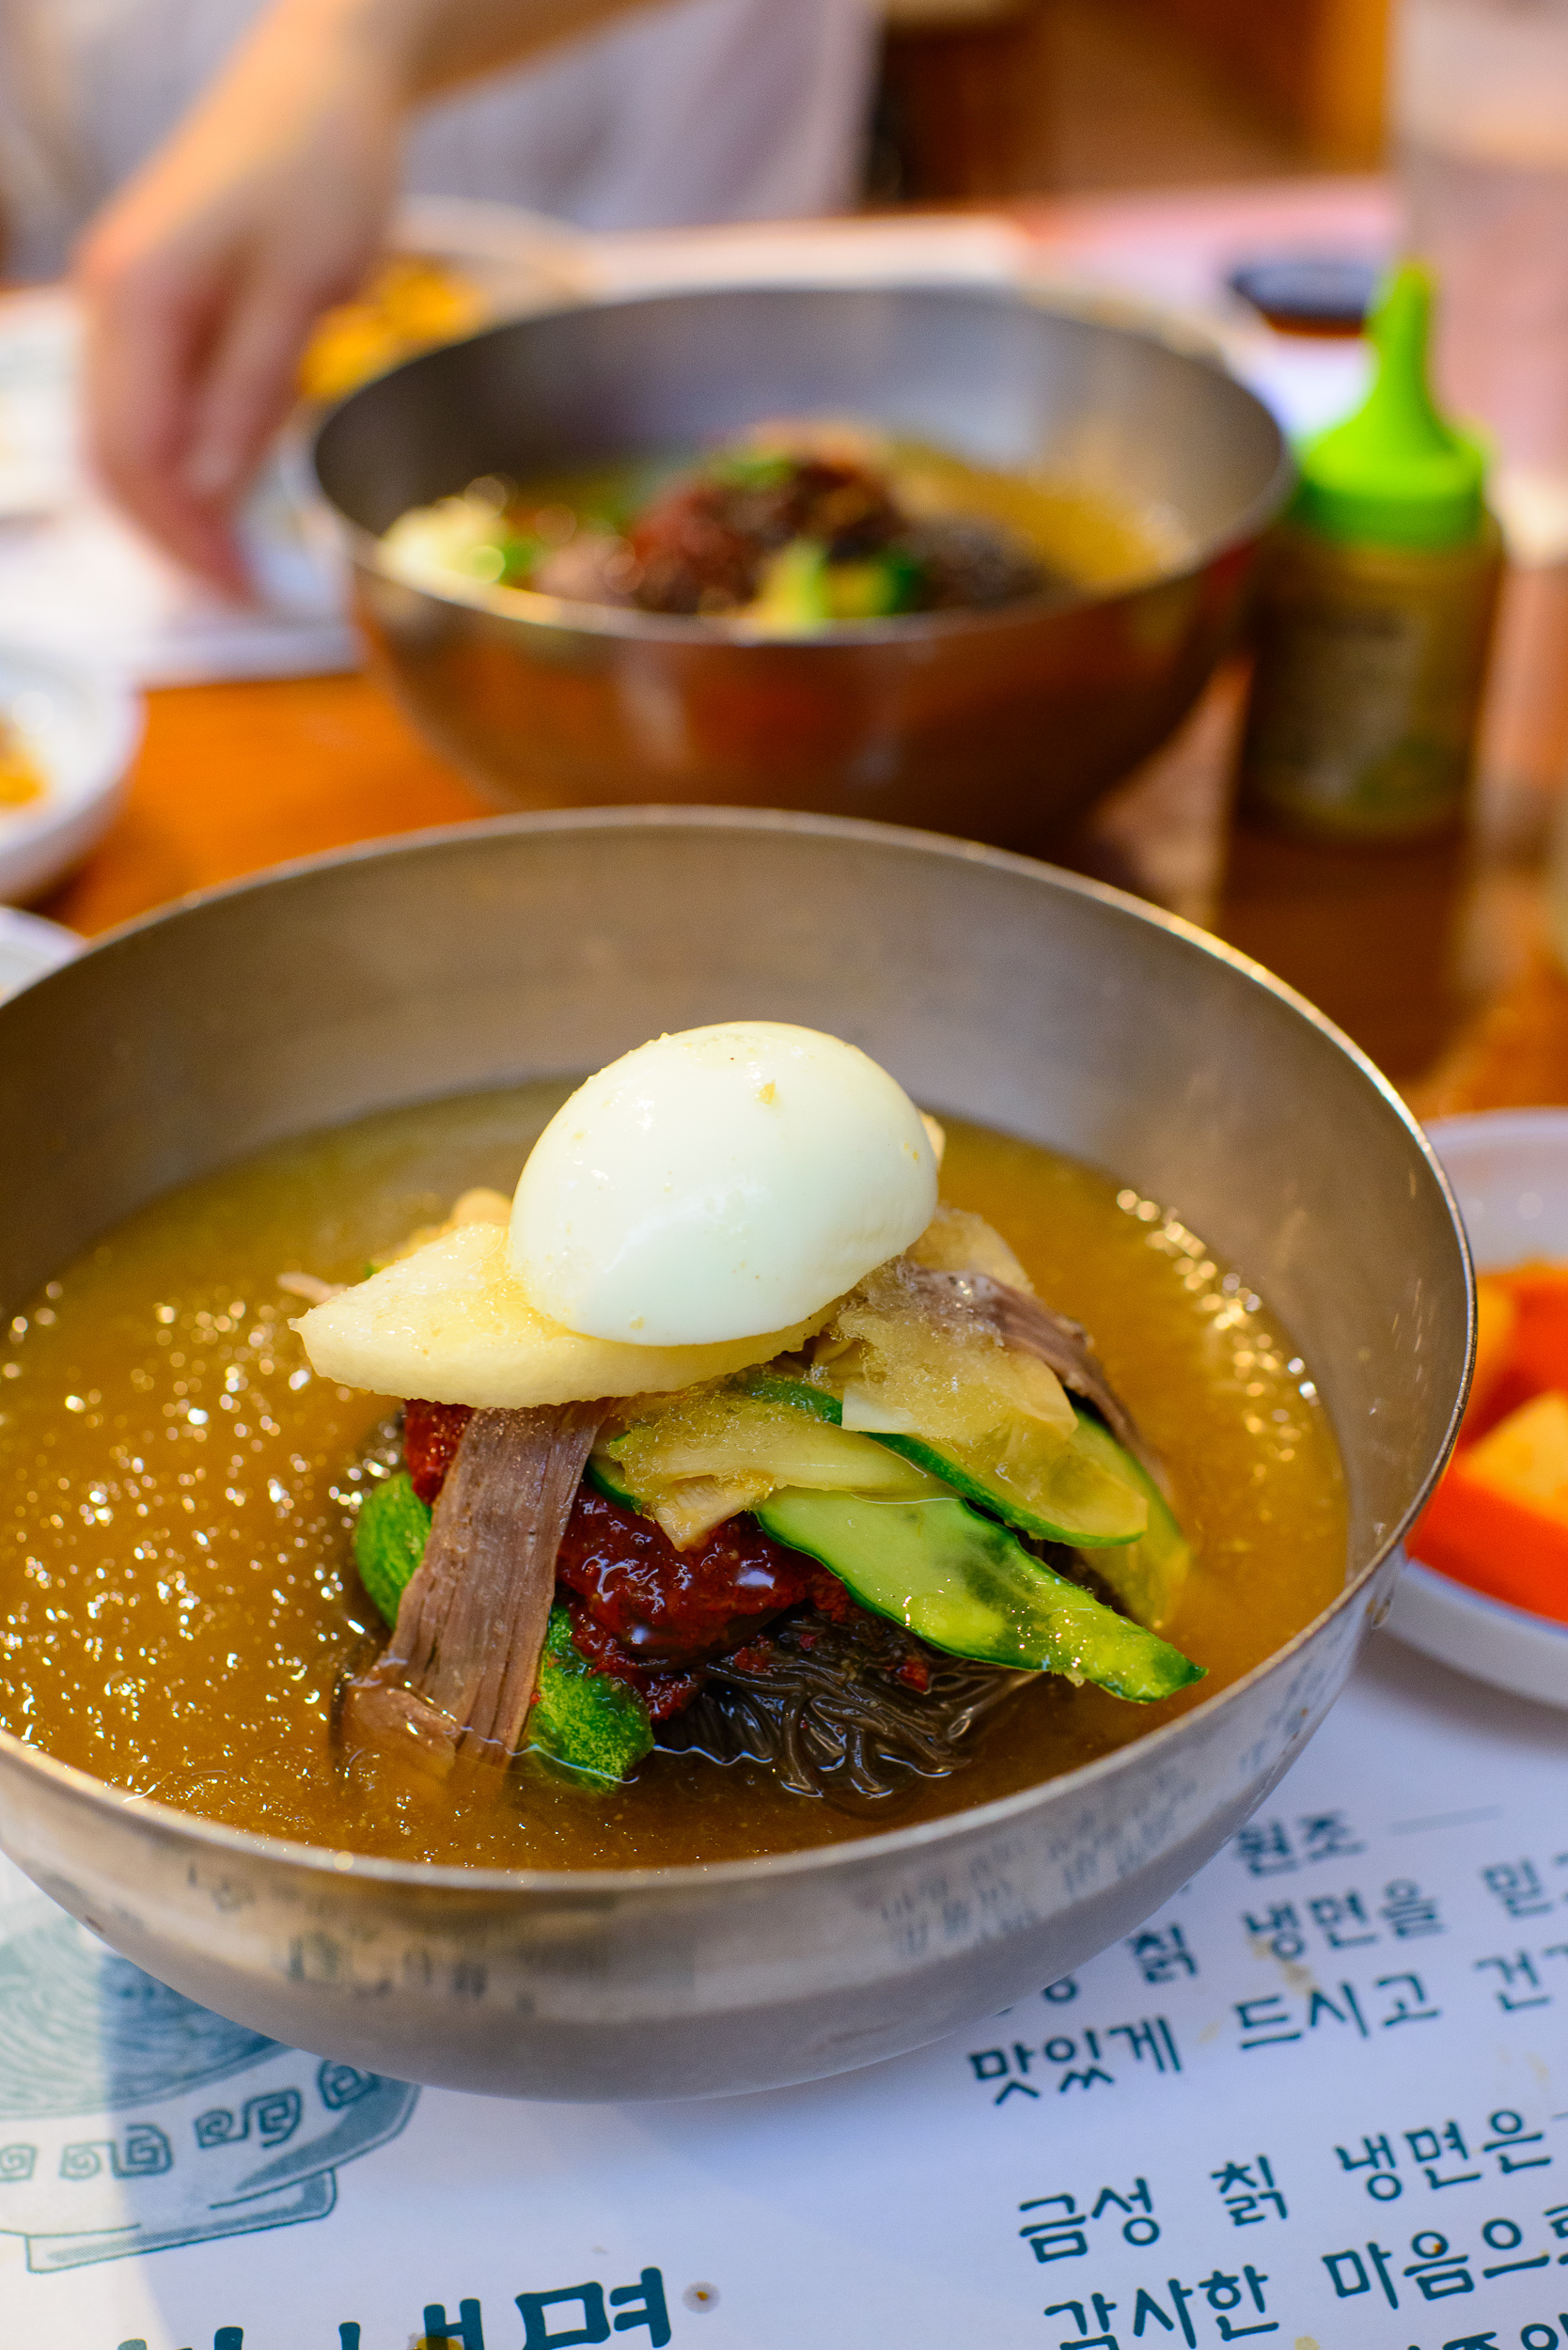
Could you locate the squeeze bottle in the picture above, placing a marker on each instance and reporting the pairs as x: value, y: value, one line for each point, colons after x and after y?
x: 1374, y: 607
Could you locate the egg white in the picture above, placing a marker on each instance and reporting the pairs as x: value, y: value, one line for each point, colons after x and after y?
x: 717, y: 1184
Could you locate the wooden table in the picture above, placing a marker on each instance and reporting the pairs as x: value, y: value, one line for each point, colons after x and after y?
x: 1432, y: 958
x: 232, y: 779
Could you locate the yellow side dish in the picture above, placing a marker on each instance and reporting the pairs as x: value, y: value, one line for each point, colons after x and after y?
x: 21, y: 779
x: 409, y: 305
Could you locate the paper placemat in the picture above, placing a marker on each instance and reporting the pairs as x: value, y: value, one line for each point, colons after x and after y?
x: 1316, y: 2104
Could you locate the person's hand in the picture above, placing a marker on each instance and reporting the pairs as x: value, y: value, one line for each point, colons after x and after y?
x: 203, y: 278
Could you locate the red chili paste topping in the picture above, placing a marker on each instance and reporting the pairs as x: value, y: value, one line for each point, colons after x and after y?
x: 647, y: 1612
x: 663, y: 1691
x: 676, y: 1606
x: 431, y: 1433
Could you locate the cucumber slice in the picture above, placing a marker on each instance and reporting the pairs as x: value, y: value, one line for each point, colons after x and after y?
x: 1030, y: 1477
x: 776, y: 1387
x: 1148, y: 1575
x: 605, y: 1474
x: 737, y: 1434
x: 389, y: 1538
x: 961, y: 1580
x: 1084, y: 1492
x: 585, y: 1719
x: 966, y: 1585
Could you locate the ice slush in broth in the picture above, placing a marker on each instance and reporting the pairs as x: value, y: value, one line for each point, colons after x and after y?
x: 745, y: 1483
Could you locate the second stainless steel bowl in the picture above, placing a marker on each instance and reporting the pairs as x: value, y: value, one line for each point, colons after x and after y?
x: 1000, y: 724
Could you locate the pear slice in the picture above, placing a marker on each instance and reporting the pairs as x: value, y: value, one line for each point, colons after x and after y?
x: 452, y: 1323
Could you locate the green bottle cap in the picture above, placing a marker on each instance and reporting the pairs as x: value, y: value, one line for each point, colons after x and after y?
x: 1396, y: 473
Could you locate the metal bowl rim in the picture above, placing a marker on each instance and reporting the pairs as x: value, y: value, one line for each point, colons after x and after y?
x: 435, y: 1876
x: 527, y: 608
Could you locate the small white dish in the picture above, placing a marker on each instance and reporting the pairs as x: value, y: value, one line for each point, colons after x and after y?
x: 29, y: 946
x: 81, y: 730
x: 1509, y: 1170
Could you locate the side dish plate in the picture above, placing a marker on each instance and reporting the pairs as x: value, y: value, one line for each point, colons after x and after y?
x: 1509, y: 1170
x: 81, y: 730
x: 29, y: 946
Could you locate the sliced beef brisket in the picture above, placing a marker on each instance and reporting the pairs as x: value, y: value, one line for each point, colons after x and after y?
x: 459, y: 1673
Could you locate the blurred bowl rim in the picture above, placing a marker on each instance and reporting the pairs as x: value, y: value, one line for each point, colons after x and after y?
x: 1109, y: 313
x: 446, y: 1877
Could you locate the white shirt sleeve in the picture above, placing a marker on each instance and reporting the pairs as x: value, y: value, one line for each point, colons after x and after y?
x: 708, y: 110
x: 700, y: 110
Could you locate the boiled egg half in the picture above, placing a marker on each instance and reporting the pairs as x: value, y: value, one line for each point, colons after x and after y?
x: 694, y: 1208
x: 718, y: 1185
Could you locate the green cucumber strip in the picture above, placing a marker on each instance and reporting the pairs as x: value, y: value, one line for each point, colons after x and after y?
x: 776, y: 1387
x: 740, y: 1434
x: 604, y: 1475
x: 585, y: 1721
x: 1073, y: 1491
x: 1060, y: 1490
x: 389, y: 1537
x: 1148, y: 1575
x: 966, y: 1585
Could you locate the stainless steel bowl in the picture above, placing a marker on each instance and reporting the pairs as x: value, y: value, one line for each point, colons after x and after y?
x: 998, y: 724
x: 995, y: 989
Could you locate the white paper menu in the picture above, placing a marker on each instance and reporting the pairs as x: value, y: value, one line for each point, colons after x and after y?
x: 1319, y: 2102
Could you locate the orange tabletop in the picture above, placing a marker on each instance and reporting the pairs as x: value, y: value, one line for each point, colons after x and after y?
x: 232, y: 779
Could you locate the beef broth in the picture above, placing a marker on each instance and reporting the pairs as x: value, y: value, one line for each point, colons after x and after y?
x: 182, y: 1616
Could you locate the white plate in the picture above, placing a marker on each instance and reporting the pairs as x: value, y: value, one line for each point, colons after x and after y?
x: 29, y: 946
x: 82, y: 729
x: 1509, y: 1170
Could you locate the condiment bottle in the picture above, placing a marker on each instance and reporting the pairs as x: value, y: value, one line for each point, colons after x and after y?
x: 1374, y: 607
